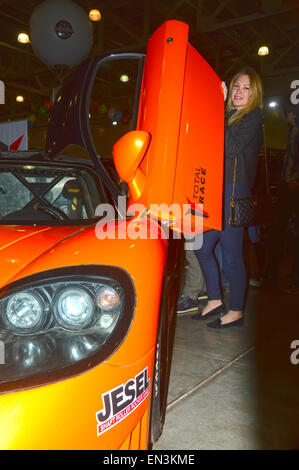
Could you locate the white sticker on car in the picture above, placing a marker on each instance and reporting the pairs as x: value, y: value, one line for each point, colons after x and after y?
x: 122, y: 401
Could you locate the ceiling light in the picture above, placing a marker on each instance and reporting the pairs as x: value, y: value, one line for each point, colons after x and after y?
x: 23, y: 38
x: 20, y: 99
x: 95, y: 15
x: 272, y: 104
x: 124, y: 78
x: 263, y: 50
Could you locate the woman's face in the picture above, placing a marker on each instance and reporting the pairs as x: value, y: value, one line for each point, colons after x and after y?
x: 240, y: 91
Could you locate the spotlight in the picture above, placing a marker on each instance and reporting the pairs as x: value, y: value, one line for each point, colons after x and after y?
x: 94, y: 15
x: 272, y: 104
x: 124, y: 78
x: 23, y: 38
x: 20, y: 99
x: 263, y: 50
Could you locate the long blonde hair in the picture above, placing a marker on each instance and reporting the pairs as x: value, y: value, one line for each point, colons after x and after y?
x: 255, y: 99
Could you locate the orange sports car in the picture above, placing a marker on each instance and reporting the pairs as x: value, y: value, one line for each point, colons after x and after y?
x: 90, y: 249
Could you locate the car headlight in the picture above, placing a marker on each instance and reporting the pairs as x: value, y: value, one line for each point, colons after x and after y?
x: 24, y: 312
x: 61, y: 322
x: 74, y: 307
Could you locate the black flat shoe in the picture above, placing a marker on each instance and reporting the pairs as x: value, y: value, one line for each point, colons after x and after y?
x: 217, y: 323
x: 220, y: 310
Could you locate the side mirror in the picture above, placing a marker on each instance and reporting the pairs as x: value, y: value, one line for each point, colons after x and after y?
x: 128, y: 153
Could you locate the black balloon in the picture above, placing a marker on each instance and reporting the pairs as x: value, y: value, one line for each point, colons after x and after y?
x: 61, y: 32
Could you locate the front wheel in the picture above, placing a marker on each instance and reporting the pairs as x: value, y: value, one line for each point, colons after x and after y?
x: 161, y: 370
x: 165, y: 338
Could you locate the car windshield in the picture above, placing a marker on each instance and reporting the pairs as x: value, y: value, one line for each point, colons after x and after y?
x: 41, y: 194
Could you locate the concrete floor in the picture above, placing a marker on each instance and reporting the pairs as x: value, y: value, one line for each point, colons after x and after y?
x: 236, y: 388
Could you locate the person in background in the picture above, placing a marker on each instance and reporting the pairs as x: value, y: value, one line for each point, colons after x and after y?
x: 289, y: 204
x: 290, y: 175
x: 293, y: 242
x: 243, y: 139
x: 194, y: 288
x: 257, y: 256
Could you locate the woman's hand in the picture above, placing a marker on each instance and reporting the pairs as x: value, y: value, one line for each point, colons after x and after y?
x: 224, y: 87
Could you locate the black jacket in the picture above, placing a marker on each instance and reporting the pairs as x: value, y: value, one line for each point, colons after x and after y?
x: 243, y: 140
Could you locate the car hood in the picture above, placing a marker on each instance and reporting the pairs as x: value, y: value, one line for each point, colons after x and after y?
x: 20, y: 245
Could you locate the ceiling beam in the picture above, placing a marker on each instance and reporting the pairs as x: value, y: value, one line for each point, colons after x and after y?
x: 122, y: 24
x: 199, y: 14
x: 26, y: 88
x: 209, y: 19
x: 138, y: 46
x: 239, y: 60
x: 294, y: 44
x: 245, y: 19
x: 108, y: 4
x: 15, y: 48
x: 13, y: 18
x: 218, y: 49
x: 284, y: 53
x: 36, y: 71
x: 175, y: 7
x: 249, y: 26
x: 283, y: 71
x: 7, y: 70
x: 146, y: 18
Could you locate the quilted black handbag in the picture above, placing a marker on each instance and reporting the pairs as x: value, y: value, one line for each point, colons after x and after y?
x: 255, y: 209
x: 246, y: 211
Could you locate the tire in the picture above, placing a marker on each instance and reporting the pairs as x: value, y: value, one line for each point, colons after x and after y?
x: 160, y: 378
x: 164, y: 344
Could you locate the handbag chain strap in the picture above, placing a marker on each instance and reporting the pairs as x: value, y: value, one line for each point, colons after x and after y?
x: 266, y: 161
x: 234, y: 178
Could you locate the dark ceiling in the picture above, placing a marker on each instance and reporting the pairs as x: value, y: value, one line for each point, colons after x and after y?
x: 226, y: 32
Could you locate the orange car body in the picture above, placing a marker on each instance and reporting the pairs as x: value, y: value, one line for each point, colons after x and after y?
x: 108, y: 404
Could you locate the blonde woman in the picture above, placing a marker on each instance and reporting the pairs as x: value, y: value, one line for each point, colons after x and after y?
x: 243, y: 140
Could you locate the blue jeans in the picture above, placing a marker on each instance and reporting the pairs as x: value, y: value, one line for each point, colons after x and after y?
x: 223, y: 276
x: 231, y: 242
